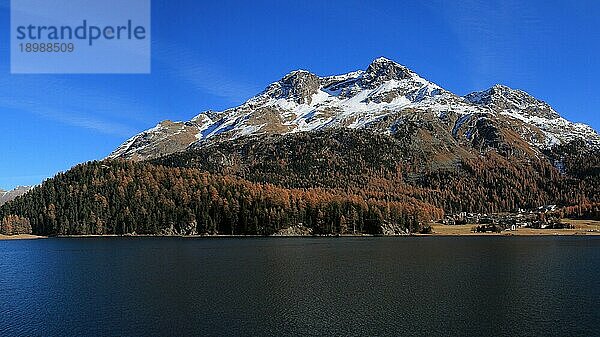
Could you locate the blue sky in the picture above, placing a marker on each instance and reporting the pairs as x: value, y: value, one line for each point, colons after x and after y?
x: 216, y: 54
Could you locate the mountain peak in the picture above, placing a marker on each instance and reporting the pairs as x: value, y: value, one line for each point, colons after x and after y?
x: 513, y: 101
x: 297, y: 75
x: 500, y: 90
x: 501, y: 87
x: 383, y: 59
x: 298, y: 86
x: 383, y: 69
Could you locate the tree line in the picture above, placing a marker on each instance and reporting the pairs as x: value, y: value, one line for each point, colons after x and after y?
x: 123, y: 197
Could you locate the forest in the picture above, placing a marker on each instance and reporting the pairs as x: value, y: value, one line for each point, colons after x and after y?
x: 124, y: 197
x: 393, y: 168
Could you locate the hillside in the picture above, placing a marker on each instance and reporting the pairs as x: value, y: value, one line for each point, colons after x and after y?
x: 393, y: 166
x: 379, y: 151
x: 123, y: 197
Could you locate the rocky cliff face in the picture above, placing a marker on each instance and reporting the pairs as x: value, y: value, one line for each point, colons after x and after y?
x: 298, y: 87
x: 384, y: 98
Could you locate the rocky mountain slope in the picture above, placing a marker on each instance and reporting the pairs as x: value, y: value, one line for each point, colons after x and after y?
x: 6, y: 196
x: 383, y: 98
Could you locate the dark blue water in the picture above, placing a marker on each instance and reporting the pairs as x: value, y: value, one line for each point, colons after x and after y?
x: 425, y: 286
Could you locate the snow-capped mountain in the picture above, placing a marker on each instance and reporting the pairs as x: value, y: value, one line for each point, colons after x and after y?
x: 383, y: 97
x: 520, y: 105
x: 6, y: 196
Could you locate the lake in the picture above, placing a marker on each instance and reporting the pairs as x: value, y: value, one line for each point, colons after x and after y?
x: 421, y: 286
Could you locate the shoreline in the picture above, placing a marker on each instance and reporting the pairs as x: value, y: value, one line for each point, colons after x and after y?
x: 501, y: 234
x: 21, y: 237
x: 582, y: 228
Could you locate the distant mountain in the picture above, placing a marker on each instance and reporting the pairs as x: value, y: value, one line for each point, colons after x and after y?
x: 380, y: 98
x: 6, y: 196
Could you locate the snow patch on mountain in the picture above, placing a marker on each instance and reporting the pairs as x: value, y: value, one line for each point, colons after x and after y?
x: 519, y: 105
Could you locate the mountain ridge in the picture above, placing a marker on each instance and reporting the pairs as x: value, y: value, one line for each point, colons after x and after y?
x: 303, y: 101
